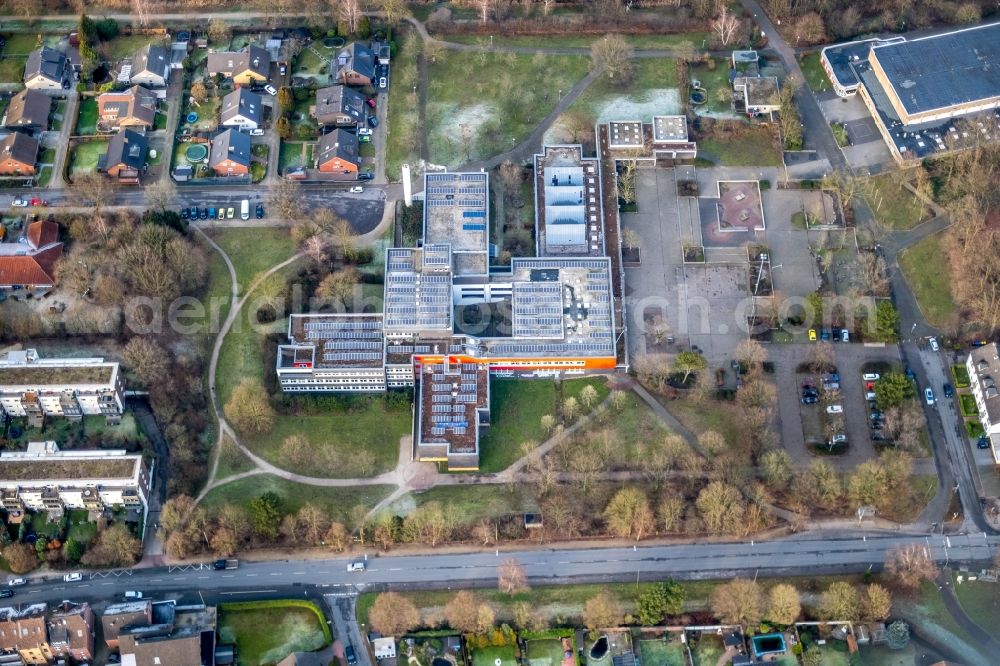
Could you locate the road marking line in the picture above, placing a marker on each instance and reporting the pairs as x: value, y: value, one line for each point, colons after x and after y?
x: 248, y: 592
x: 251, y: 575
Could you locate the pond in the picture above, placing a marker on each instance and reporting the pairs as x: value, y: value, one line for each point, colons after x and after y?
x: 600, y: 648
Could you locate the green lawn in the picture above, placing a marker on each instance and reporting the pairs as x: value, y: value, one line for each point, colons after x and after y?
x: 123, y: 46
x: 981, y: 602
x: 662, y: 653
x: 402, y: 141
x: 337, y: 501
x: 160, y: 123
x: 813, y: 71
x: 335, y: 434
x: 931, y: 287
x: 232, y: 460
x: 961, y: 375
x: 516, y: 410
x: 714, y: 80
x: 20, y: 44
x: 242, y: 353
x: 307, y: 63
x: 86, y: 119
x: 44, y: 176
x: 471, y: 113
x: 84, y: 156
x: 544, y: 652
x: 638, y: 42
x: 253, y: 251
x: 840, y: 134
x: 756, y: 147
x: 265, y: 636
x: 893, y: 206
x: 707, y: 650
x: 258, y: 172
x: 47, y: 156
x: 651, y: 76
x: 12, y: 69
x: 41, y: 525
x: 291, y: 154
x: 493, y: 656
x: 467, y: 504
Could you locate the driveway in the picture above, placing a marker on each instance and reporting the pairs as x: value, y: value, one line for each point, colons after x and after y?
x: 62, y: 147
x: 345, y: 624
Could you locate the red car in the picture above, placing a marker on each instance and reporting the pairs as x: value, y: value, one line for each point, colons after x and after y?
x: 35, y: 201
x: 371, y: 102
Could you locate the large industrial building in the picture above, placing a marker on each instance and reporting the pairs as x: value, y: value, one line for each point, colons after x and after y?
x: 917, y: 89
x: 450, y: 318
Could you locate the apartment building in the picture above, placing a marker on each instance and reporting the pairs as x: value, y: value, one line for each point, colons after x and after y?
x: 71, y: 631
x: 33, y: 387
x: 45, y: 478
x: 983, y: 366
x: 23, y: 632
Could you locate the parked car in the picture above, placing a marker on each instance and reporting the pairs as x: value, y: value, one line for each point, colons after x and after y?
x: 870, y: 376
x: 929, y: 395
x: 6, y: 594
x: 835, y: 409
x: 948, y: 391
x: 352, y: 658
x: 366, y: 175
x: 910, y: 374
x: 979, y: 343
x: 357, y: 189
x: 194, y: 212
x: 370, y: 102
x: 364, y: 131
x: 271, y: 90
x: 812, y: 335
x: 933, y: 344
x: 824, y: 335
x: 845, y: 335
x: 211, y: 212
x: 19, y: 203
x: 133, y: 594
x: 364, y: 138
x: 185, y: 213
x: 877, y: 416
x: 17, y: 581
x: 203, y: 215
x: 383, y: 82
x: 257, y: 132
x: 260, y: 211
x: 230, y: 213
x: 877, y: 436
x: 809, y: 400
x: 984, y: 442
x: 839, y: 439
x: 222, y: 213
x: 282, y: 70
x: 373, y: 121
x: 35, y: 201
x: 72, y: 577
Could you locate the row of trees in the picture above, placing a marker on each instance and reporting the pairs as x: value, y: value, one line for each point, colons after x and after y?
x: 114, y: 546
x: 740, y: 601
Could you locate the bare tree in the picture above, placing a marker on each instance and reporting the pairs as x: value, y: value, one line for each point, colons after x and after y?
x: 511, y: 578
x: 161, y: 193
x: 349, y: 11
x: 286, y: 199
x: 613, y: 55
x: 626, y: 182
x: 93, y: 189
x: 908, y: 566
x: 725, y: 25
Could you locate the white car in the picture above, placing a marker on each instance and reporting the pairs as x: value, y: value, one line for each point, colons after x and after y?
x: 839, y: 439
x: 271, y: 90
x: 933, y: 343
x: 133, y: 594
x: 383, y: 83
x: 870, y: 376
x: 357, y: 189
x: 72, y: 577
x: 257, y: 132
x: 929, y: 396
x: 835, y: 409
x: 364, y: 131
x: 19, y: 203
x: 12, y: 582
x: 356, y: 565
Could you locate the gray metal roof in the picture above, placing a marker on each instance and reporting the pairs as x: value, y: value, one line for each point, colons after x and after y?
x: 944, y: 70
x: 230, y: 145
x: 128, y: 147
x: 243, y: 102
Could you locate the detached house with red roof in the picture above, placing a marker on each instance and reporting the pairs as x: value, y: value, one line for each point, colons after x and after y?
x: 27, y: 268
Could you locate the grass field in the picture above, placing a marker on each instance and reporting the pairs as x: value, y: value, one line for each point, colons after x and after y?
x: 335, y: 435
x: 12, y: 69
x: 638, y: 42
x: 124, y: 46
x: 494, y: 656
x: 517, y: 407
x: 253, y: 251
x: 893, y: 206
x: 466, y: 504
x: 47, y: 156
x: 85, y: 155
x: 544, y: 652
x: 86, y: 119
x: 307, y: 63
x: 981, y: 602
x: 813, y: 71
x: 296, y: 154
x: 232, y: 460
x: 931, y: 288
x: 651, y: 75
x: 471, y: 113
x: 402, y: 141
x: 707, y: 650
x: 662, y: 653
x: 756, y: 147
x: 265, y: 636
x: 20, y: 44
x: 242, y: 353
x: 44, y: 176
x: 714, y: 80
x: 338, y: 501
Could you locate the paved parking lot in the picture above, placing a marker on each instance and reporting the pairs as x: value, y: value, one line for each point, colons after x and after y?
x: 849, y: 359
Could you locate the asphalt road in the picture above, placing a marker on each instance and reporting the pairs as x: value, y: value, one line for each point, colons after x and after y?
x: 814, y: 553
x: 363, y: 210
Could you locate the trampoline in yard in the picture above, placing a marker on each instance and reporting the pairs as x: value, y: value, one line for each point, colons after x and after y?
x: 192, y: 117
x: 196, y: 152
x: 768, y: 644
